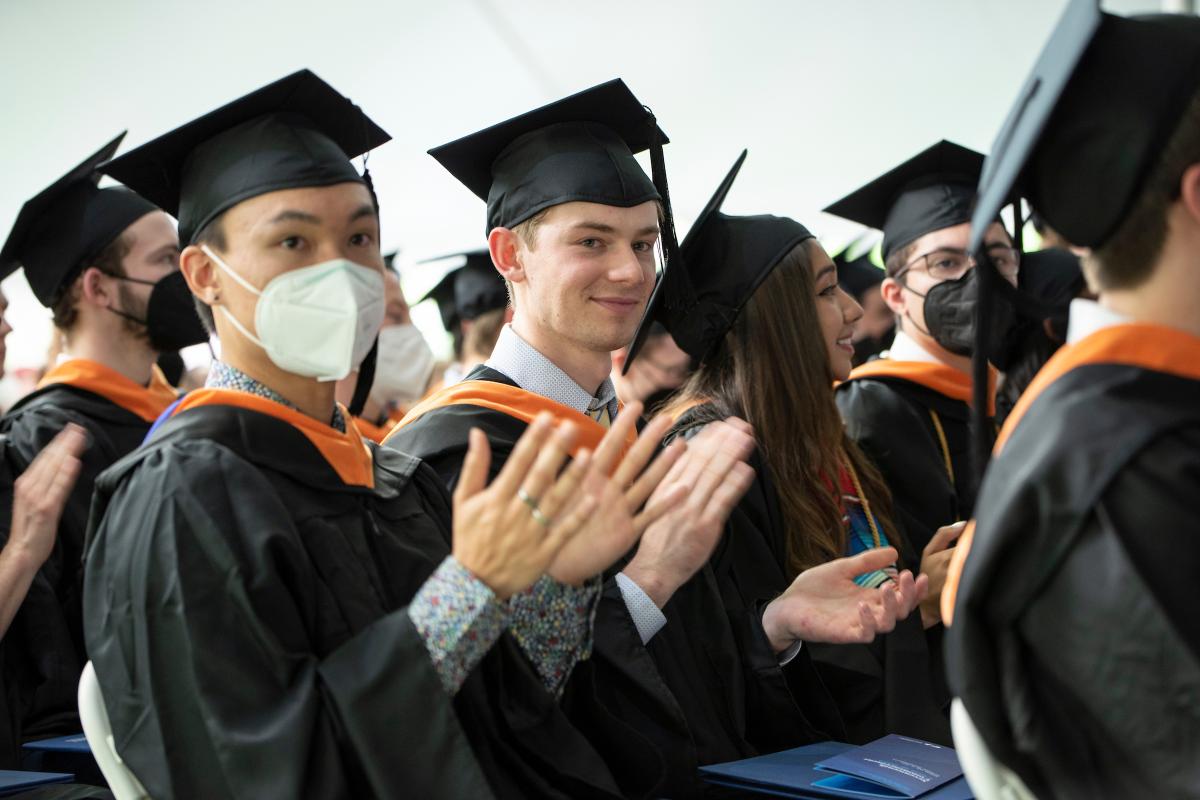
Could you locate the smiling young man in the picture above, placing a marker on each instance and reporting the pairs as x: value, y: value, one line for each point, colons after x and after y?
x: 1074, y: 643
x: 277, y: 607
x: 572, y: 223
x: 910, y: 411
x: 106, y: 262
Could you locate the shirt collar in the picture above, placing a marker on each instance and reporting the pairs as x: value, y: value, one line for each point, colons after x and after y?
x: 906, y: 348
x: 223, y: 376
x: 533, y: 372
x: 1087, y: 317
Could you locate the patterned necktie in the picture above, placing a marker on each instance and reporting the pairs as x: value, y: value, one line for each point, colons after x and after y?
x: 601, y: 415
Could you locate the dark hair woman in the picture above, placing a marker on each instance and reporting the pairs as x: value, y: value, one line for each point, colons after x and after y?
x: 759, y: 307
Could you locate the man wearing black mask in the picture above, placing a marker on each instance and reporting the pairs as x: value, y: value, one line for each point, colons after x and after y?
x: 1050, y: 279
x: 106, y: 262
x: 910, y: 411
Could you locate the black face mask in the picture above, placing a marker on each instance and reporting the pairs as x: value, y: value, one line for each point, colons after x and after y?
x: 950, y: 315
x: 171, y: 320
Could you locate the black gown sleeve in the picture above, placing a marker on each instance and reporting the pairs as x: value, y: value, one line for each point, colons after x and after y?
x: 201, y: 602
x: 1112, y: 671
x: 42, y: 654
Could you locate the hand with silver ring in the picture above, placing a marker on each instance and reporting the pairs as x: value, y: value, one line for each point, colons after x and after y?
x: 502, y: 534
x: 533, y: 508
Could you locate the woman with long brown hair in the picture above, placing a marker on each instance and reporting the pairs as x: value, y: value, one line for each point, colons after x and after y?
x: 759, y: 307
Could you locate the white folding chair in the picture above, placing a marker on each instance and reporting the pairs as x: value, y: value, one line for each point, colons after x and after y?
x: 94, y: 716
x: 987, y: 777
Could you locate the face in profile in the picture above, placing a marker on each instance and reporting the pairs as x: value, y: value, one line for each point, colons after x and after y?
x: 837, y: 312
x: 153, y: 254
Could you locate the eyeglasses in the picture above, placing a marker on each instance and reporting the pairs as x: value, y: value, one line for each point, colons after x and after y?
x: 951, y: 263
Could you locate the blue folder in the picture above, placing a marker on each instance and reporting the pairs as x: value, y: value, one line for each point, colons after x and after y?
x: 833, y: 770
x: 75, y: 743
x: 12, y: 781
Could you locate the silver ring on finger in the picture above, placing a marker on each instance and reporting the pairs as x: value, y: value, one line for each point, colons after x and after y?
x: 525, y: 498
x: 534, y: 511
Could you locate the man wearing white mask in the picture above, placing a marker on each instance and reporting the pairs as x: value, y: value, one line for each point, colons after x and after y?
x: 274, y: 606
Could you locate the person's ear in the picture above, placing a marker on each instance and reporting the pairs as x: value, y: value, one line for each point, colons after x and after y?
x: 894, y: 295
x: 1189, y: 192
x: 503, y: 244
x: 201, y: 274
x: 94, y: 287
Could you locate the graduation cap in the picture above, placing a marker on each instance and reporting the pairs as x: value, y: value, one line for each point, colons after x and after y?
x: 466, y: 292
x: 296, y: 132
x: 1086, y: 130
x: 934, y: 189
x: 66, y: 224
x: 724, y: 259
x: 578, y: 148
x: 1091, y: 120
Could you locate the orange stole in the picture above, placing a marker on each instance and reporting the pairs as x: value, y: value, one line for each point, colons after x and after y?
x: 938, y: 377
x: 146, y: 402
x: 1152, y: 347
x: 376, y: 433
x: 515, y: 402
x: 346, y: 452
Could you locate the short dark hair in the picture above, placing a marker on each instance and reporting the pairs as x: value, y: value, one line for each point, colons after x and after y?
x: 1127, y: 259
x: 213, y: 235
x: 110, y: 260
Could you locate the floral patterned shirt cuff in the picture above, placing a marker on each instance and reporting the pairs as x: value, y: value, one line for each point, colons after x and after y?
x: 552, y: 622
x: 459, y: 618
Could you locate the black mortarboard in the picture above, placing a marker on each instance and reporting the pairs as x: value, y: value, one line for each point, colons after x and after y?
x: 578, y: 148
x: 68, y: 223
x: 470, y: 290
x: 1092, y: 119
x: 932, y: 190
x: 857, y: 275
x: 298, y: 131
x: 723, y: 261
x: 1086, y: 130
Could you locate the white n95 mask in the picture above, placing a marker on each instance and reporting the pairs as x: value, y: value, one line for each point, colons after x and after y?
x: 317, y: 321
x: 403, y: 365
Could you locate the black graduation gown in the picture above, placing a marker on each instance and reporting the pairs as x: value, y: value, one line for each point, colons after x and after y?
x: 891, y: 685
x: 707, y: 689
x: 247, y: 607
x: 888, y: 416
x: 43, y: 651
x: 1075, y: 645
